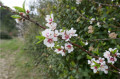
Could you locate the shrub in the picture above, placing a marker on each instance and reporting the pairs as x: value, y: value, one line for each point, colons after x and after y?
x: 79, y: 16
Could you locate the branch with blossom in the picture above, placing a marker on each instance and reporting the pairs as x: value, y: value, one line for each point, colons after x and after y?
x: 51, y: 36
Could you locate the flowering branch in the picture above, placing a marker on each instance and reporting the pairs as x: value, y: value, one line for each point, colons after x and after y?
x: 67, y: 45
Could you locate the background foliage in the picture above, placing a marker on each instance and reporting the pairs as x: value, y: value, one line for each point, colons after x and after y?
x: 68, y: 14
x: 7, y: 24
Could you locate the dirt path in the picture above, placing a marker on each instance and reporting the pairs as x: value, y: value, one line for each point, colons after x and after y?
x: 15, y: 63
x: 7, y: 68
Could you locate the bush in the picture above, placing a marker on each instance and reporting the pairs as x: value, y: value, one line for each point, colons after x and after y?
x: 68, y: 14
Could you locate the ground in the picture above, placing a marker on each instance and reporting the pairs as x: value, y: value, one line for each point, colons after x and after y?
x: 14, y: 63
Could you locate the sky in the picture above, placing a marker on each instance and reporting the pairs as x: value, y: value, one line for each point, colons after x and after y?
x: 12, y: 3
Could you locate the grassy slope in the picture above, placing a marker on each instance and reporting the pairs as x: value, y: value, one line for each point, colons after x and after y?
x: 23, y: 63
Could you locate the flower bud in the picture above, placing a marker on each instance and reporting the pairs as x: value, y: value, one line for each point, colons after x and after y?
x: 21, y: 13
x: 28, y: 11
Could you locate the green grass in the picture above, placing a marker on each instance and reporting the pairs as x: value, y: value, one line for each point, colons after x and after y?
x: 24, y: 62
x: 11, y: 45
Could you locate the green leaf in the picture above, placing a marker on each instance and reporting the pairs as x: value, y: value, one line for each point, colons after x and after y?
x: 16, y: 16
x: 89, y: 57
x: 114, y: 51
x: 19, y: 9
x: 41, y: 38
x: 96, y: 51
x: 82, y: 43
x: 118, y: 46
x: 24, y: 6
x: 72, y: 63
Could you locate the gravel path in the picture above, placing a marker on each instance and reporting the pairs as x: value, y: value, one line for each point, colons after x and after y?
x: 7, y: 68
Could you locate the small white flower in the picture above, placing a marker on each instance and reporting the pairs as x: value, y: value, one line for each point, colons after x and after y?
x: 113, y: 18
x: 86, y: 43
x: 89, y: 62
x: 72, y: 32
x: 49, y: 42
x: 112, y: 59
x: 56, y: 34
x: 47, y: 33
x: 106, y: 54
x: 91, y: 21
x: 69, y: 47
x: 98, y: 24
x: 101, y: 60
x: 95, y: 68
x: 104, y: 68
x: 51, y: 25
x: 60, y: 51
x: 112, y: 0
x: 117, y: 54
x: 49, y: 18
x: 108, y: 31
x: 78, y: 1
x: 111, y: 50
x: 66, y: 35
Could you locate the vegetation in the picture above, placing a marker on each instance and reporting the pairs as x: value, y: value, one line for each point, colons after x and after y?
x: 7, y: 24
x: 22, y: 65
x: 97, y: 24
x: 67, y: 15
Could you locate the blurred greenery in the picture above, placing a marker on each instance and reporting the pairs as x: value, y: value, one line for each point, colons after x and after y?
x: 22, y: 63
x: 7, y: 24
